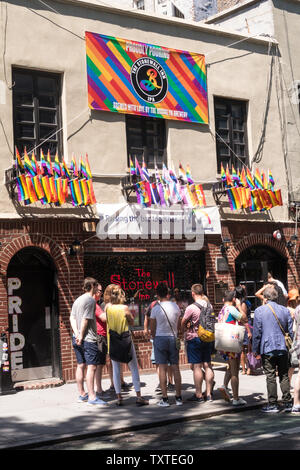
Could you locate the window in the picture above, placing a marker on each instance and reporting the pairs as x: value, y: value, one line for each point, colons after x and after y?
x: 231, y: 127
x: 146, y: 137
x: 140, y: 4
x: 177, y: 13
x: 36, y: 111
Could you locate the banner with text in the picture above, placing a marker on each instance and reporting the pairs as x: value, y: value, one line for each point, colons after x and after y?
x: 136, y: 78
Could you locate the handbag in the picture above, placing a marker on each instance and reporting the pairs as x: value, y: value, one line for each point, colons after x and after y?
x: 177, y: 340
x: 120, y: 345
x: 287, y: 338
x: 253, y: 362
x: 229, y: 337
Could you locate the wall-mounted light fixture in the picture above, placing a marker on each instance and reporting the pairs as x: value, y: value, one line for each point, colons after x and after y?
x: 74, y: 248
x: 224, y: 247
x: 292, y: 245
x: 277, y: 235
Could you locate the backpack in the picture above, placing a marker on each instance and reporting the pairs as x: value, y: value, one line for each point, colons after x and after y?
x: 207, y: 320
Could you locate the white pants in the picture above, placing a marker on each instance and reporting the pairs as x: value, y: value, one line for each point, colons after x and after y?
x: 133, y: 366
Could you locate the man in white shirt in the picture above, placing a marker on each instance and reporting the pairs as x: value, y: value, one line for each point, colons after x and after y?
x: 164, y: 325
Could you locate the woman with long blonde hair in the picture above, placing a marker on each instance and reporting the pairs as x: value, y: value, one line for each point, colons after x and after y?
x: 118, y: 318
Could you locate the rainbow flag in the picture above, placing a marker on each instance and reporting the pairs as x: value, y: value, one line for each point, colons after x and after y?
x: 138, y: 168
x: 249, y: 179
x: 234, y: 198
x: 38, y: 188
x: 182, y: 173
x: 160, y: 187
x: 155, y: 199
x: 91, y: 191
x: 200, y: 194
x: 57, y: 167
x: 49, y: 163
x: 46, y: 188
x: 223, y: 174
x: 234, y: 176
x: 145, y: 174
x: 264, y: 180
x: 73, y: 166
x: 271, y: 180
x: 65, y: 170
x: 229, y: 181
x: 173, y: 176
x: 85, y: 192
x: 132, y: 167
x: 87, y: 167
x: 75, y: 192
x: 114, y: 86
x: 28, y: 164
x: 43, y: 165
x: 243, y: 179
x: 257, y: 180
x: 18, y: 162
x: 279, y: 197
x: 61, y: 197
x: 53, y: 191
x: 35, y: 164
x: 189, y: 175
x: 22, y: 188
x: 166, y: 175
x: 31, y: 192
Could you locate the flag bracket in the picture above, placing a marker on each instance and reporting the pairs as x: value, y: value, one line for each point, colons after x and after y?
x: 218, y: 191
x: 10, y: 182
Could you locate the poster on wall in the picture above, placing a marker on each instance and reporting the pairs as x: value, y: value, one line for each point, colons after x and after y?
x: 146, y: 80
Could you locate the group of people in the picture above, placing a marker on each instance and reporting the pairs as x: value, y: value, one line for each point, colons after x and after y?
x: 165, y: 322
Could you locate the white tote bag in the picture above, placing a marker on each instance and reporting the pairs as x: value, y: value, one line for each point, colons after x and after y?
x: 229, y: 337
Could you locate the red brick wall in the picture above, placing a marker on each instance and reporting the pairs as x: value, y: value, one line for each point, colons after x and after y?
x: 56, y: 236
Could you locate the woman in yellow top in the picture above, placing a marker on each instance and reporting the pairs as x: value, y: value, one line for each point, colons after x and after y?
x: 118, y: 318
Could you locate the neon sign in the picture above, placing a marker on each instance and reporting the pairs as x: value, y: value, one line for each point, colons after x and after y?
x: 144, y: 282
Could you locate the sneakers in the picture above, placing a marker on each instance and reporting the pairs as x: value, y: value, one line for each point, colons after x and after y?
x: 97, y: 402
x: 209, y: 398
x: 102, y: 395
x: 287, y: 407
x: 295, y: 411
x: 225, y: 393
x: 158, y: 389
x: 195, y: 398
x: 82, y: 398
x: 178, y: 401
x: 270, y: 409
x: 163, y: 402
x: 239, y: 402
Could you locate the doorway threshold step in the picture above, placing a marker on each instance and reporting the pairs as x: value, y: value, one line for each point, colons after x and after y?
x: 39, y: 384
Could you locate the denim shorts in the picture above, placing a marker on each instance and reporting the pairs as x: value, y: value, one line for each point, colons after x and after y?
x: 165, y: 351
x: 198, y: 351
x: 87, y: 353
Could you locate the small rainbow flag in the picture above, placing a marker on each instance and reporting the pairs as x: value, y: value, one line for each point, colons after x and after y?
x: 53, y: 191
x: 200, y: 194
x: 223, y: 174
x: 88, y: 168
x: 91, y: 191
x: 46, y: 188
x: 28, y: 164
x: 22, y: 188
x: 182, y: 173
x: 132, y: 167
x: 234, y: 199
x: 38, y: 187
x: 249, y: 179
x: 73, y: 166
x: 257, y: 180
x: 243, y: 178
x: 189, y: 175
x: 18, y: 161
x: 271, y: 180
x: 31, y: 192
x: 234, y: 175
x: 229, y: 181
x: 82, y: 169
x: 49, y: 164
x: 44, y: 167
x: 65, y: 170
x: 145, y: 171
x: 57, y: 167
x: 85, y: 192
x: 138, y: 168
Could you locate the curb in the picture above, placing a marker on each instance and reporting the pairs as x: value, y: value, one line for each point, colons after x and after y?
x: 81, y: 436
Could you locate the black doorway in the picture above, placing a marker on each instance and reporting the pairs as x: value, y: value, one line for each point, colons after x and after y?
x: 252, y: 267
x: 33, y: 316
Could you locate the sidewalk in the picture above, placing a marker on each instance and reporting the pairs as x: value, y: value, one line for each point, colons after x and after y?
x: 40, y: 416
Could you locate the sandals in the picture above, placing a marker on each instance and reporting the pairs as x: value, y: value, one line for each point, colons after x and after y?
x: 141, y: 402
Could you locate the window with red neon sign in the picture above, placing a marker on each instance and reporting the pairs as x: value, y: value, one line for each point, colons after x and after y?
x: 139, y: 275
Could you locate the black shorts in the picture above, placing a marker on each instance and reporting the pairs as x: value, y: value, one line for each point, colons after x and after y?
x: 102, y: 347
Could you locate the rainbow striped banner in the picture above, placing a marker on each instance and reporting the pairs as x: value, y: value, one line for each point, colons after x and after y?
x: 137, y: 78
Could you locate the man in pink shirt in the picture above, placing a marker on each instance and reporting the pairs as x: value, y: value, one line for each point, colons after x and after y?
x: 198, y: 352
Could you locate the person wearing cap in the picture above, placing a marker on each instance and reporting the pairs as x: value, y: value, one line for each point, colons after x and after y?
x: 292, y: 303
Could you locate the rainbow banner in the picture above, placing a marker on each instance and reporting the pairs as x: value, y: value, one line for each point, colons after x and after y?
x: 137, y: 78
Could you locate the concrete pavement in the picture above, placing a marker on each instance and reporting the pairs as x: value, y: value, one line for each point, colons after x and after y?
x: 42, y: 416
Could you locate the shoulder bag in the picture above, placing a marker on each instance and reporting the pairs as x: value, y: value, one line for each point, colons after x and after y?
x: 119, y: 345
x: 287, y: 338
x: 229, y: 337
x: 178, y: 342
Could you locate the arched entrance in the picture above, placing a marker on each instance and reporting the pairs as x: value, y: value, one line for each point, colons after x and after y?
x: 33, y: 315
x: 252, y: 267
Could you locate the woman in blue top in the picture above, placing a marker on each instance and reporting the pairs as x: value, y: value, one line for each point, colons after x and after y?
x: 233, y: 313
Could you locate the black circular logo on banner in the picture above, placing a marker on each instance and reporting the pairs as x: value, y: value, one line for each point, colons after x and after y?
x: 149, y: 80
